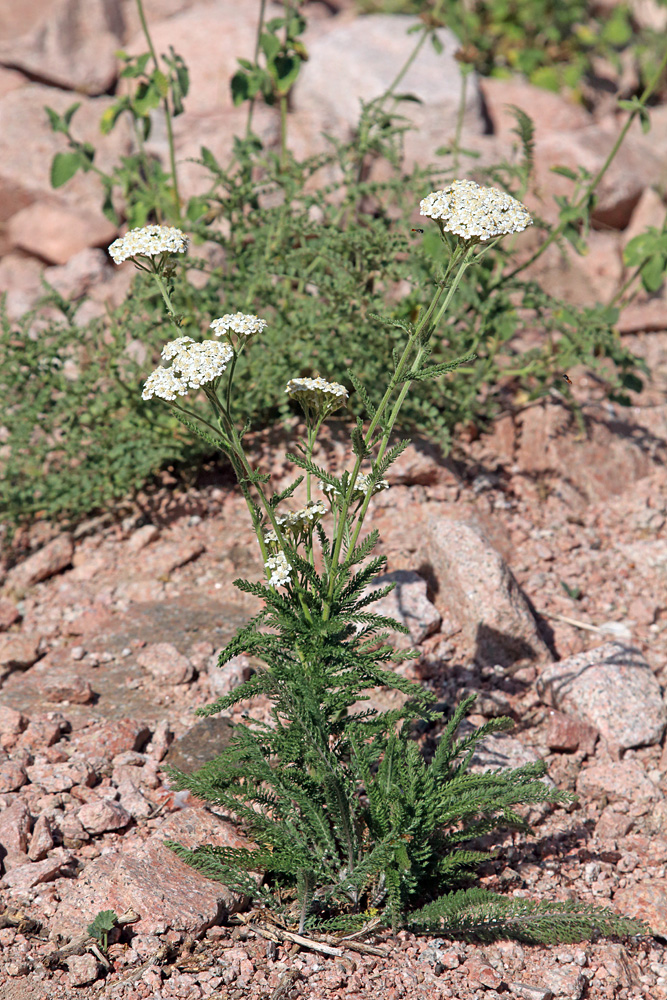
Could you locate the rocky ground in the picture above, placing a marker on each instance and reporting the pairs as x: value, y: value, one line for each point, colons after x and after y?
x: 530, y: 570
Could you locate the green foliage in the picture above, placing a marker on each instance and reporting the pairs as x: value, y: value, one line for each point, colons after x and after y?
x: 314, y: 266
x: 137, y: 188
x: 648, y: 254
x: 320, y: 260
x: 476, y: 913
x: 282, y: 54
x: 551, y: 42
x: 104, y: 922
x: 346, y: 812
x: 77, y: 434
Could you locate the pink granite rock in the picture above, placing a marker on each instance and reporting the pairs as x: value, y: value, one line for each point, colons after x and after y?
x: 12, y: 722
x: 107, y: 739
x: 12, y: 776
x: 91, y: 29
x: 71, y: 689
x: 616, y: 781
x: 479, y: 591
x: 41, y: 841
x: 41, y: 733
x: 61, y: 777
x: 46, y: 562
x: 103, y: 815
x: 131, y: 799
x: 154, y: 881
x: 56, y: 232
x: 567, y: 734
x: 550, y: 112
x: 82, y: 969
x: 645, y: 901
x: 17, y: 652
x: 142, y: 537
x: 34, y: 873
x: 15, y: 824
x: 164, y: 662
x: 612, y: 688
x: 9, y: 614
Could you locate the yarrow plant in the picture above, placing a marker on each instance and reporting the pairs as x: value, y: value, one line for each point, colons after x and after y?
x: 352, y: 826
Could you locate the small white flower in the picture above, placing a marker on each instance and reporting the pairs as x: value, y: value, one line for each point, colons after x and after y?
x: 360, y: 488
x: 149, y: 241
x: 174, y: 347
x: 364, y: 481
x: 280, y: 570
x: 243, y: 324
x: 296, y: 521
x: 164, y: 383
x: 474, y: 212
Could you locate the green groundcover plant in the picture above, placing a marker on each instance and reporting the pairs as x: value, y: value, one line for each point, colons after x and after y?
x: 315, y: 245
x: 350, y: 824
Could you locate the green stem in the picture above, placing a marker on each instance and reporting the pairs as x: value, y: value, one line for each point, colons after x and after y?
x: 167, y: 110
x: 258, y: 35
x: 195, y: 416
x: 243, y: 470
x: 389, y: 92
x: 468, y: 258
x: 283, y: 132
x: 465, y: 70
x: 147, y: 170
x: 394, y: 381
x: 165, y: 294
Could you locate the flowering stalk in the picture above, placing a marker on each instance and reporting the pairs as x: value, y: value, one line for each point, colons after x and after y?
x: 476, y: 217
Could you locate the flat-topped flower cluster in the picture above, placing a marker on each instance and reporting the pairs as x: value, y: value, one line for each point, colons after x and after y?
x: 149, y: 241
x: 317, y: 393
x: 243, y: 324
x: 192, y: 366
x: 474, y: 212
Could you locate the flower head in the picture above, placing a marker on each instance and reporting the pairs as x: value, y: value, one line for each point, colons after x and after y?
x: 318, y: 398
x: 243, y: 324
x: 149, y: 241
x: 474, y: 212
x: 280, y: 570
x: 192, y: 365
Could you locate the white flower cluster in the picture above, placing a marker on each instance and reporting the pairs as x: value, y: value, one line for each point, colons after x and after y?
x: 360, y: 487
x: 193, y: 365
x: 317, y: 394
x: 244, y: 324
x: 280, y: 570
x: 474, y: 212
x: 296, y: 520
x: 149, y: 241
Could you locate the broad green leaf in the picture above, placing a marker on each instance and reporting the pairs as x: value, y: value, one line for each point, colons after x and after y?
x: 239, y: 88
x: 270, y: 46
x: 63, y: 168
